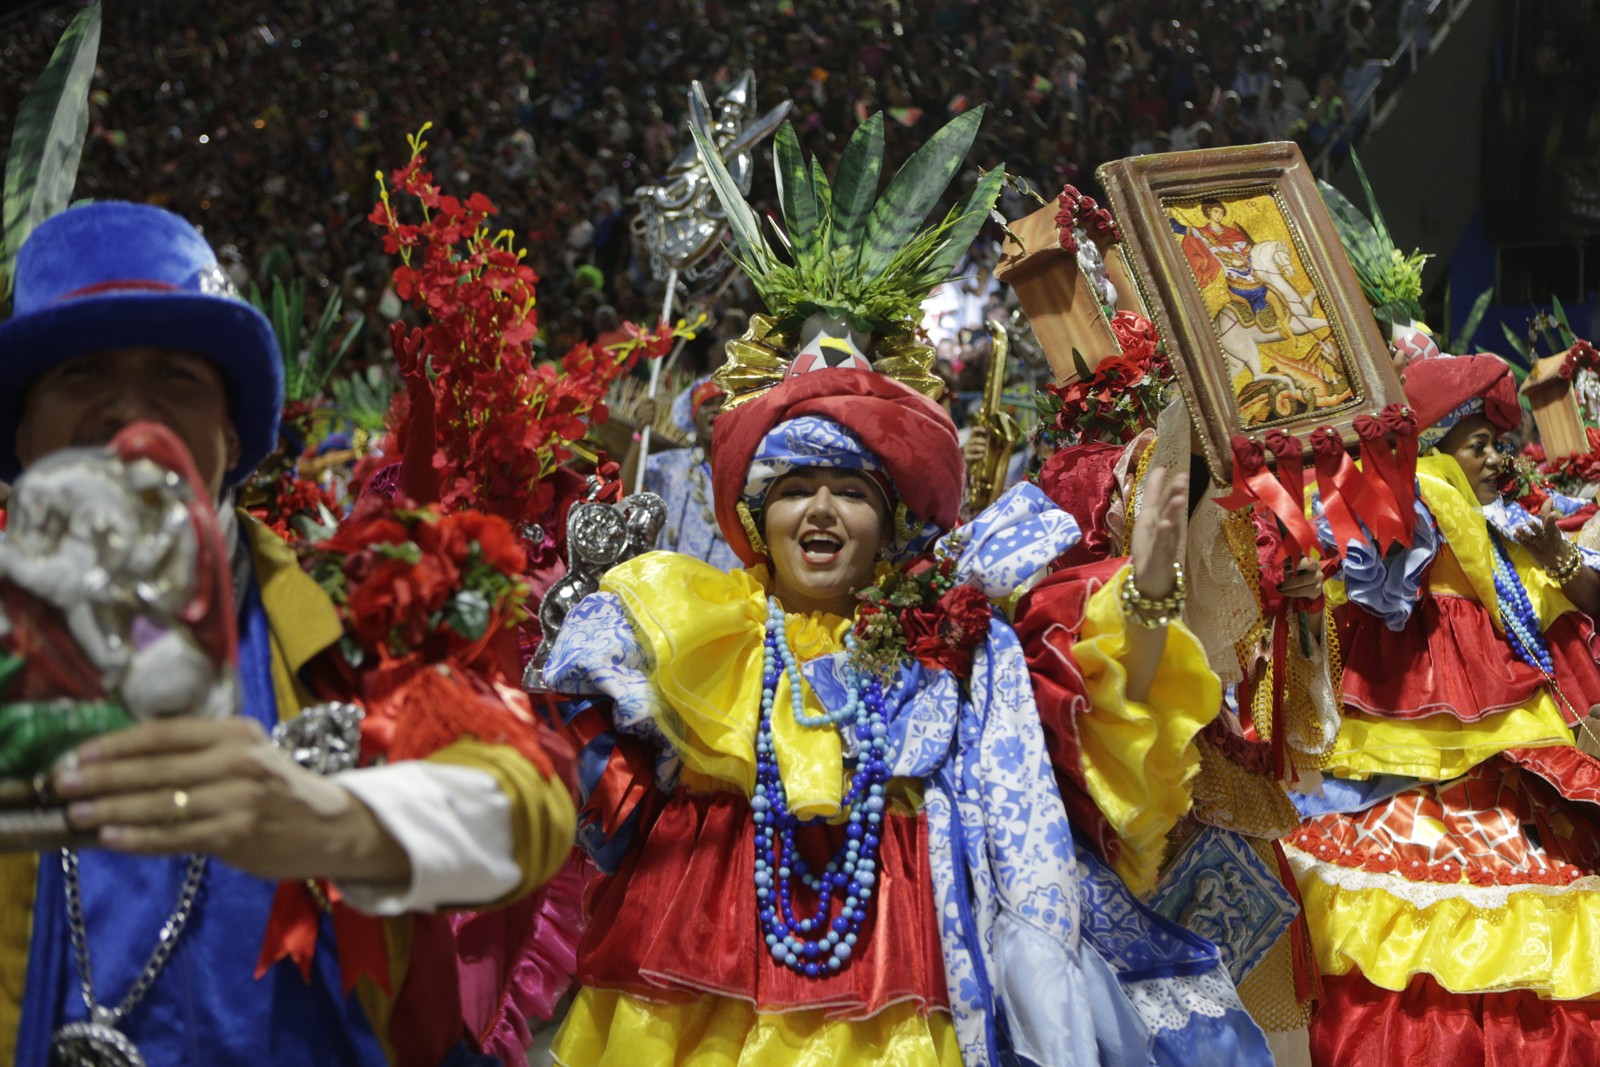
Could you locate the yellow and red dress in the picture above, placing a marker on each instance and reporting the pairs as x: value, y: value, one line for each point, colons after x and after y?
x: 1450, y: 868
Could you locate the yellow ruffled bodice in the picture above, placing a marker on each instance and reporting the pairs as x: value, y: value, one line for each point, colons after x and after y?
x: 704, y: 631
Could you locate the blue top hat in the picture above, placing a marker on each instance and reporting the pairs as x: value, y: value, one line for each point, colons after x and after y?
x: 119, y: 275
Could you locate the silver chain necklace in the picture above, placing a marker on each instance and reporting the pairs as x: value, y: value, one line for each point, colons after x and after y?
x: 96, y: 1042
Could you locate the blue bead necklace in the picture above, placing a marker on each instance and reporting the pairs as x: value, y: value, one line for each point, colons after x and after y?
x: 820, y: 943
x: 1516, y: 611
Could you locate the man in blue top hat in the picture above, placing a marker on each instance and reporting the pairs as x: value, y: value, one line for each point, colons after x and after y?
x: 122, y: 315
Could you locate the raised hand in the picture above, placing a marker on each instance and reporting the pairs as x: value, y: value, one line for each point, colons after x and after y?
x: 1543, y: 539
x: 1159, y: 532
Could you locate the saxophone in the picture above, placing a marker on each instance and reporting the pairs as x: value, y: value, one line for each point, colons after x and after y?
x: 986, y: 478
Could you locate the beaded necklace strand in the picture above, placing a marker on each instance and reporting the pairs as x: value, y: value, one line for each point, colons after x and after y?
x: 1516, y: 611
x: 822, y: 942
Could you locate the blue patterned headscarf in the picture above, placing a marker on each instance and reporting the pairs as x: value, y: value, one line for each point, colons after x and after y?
x: 1430, y: 436
x: 813, y: 441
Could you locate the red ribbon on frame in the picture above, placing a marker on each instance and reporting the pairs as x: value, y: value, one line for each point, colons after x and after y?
x: 1392, y: 458
x: 1282, y: 494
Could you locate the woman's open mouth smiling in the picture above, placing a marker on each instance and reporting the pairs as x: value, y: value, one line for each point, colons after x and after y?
x: 820, y: 548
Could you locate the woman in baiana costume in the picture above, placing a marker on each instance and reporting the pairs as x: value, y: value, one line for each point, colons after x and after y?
x: 1448, y: 866
x: 820, y: 857
x: 1187, y: 808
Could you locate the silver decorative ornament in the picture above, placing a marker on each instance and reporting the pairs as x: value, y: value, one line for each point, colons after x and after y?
x: 323, y: 738
x: 93, y: 1044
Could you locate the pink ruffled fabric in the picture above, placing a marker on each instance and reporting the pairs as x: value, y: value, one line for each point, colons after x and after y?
x: 516, y: 963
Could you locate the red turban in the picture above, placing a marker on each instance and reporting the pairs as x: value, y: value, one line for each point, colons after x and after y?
x: 1446, y: 390
x: 911, y: 435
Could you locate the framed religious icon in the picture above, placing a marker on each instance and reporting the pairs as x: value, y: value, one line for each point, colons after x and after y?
x: 1244, y: 277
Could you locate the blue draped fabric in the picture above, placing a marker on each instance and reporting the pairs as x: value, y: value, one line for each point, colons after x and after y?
x: 1176, y: 978
x: 204, y: 1008
x: 1341, y: 796
x: 1387, y: 586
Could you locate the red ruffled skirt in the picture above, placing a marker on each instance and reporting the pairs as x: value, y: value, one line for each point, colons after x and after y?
x: 678, y: 920
x: 1425, y: 1025
x: 1449, y: 658
x: 1523, y: 817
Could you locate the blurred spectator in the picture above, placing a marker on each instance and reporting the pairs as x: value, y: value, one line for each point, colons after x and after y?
x: 1232, y: 125
x: 1183, y: 130
x: 1295, y: 93
x: 1360, y: 83
x: 1325, y: 116
x: 1251, y: 79
x: 1280, y: 121
x: 265, y: 122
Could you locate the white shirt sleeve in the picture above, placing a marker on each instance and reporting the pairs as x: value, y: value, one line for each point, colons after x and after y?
x: 454, y: 824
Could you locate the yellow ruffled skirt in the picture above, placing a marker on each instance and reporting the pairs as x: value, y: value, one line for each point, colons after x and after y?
x: 611, y: 1029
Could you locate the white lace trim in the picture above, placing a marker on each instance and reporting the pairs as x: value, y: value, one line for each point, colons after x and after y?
x: 1170, y: 1003
x: 1424, y: 894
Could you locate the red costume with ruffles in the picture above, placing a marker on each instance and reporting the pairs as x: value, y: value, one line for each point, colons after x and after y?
x: 1454, y: 890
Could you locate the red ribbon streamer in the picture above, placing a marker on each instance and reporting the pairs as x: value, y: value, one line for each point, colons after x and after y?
x: 1250, y: 469
x: 363, y: 951
x: 1291, y: 456
x: 1307, y: 983
x: 1401, y: 422
x: 1280, y: 650
x: 1333, y: 481
x: 291, y: 929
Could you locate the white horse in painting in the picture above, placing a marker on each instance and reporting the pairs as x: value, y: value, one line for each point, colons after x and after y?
x: 1272, y: 263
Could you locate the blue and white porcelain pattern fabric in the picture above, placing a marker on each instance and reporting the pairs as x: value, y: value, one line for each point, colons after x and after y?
x: 1222, y: 889
x: 1176, y: 980
x: 1430, y: 436
x: 808, y: 441
x: 602, y: 655
x: 1506, y: 517
x: 1007, y: 547
x: 682, y: 478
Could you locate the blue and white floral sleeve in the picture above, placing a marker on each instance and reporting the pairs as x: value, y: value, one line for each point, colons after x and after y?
x: 597, y: 652
x: 1508, y: 516
x: 1009, y: 545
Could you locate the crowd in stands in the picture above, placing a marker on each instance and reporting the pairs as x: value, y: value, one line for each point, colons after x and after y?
x: 266, y: 123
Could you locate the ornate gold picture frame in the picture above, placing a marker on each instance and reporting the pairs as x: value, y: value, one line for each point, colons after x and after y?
x: 1244, y: 277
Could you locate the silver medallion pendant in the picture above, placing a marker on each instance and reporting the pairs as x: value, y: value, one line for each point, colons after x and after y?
x: 91, y: 1044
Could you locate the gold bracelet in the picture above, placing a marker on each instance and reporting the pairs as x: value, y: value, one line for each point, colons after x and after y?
x: 1567, y: 567
x: 1150, y: 613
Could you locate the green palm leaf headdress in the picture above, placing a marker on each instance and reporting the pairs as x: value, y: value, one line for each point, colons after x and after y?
x: 844, y: 250
x: 1390, y: 279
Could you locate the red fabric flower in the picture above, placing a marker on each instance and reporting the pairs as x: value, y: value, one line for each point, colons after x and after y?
x: 965, y: 617
x: 492, y: 536
x: 1136, y: 336
x: 925, y: 641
